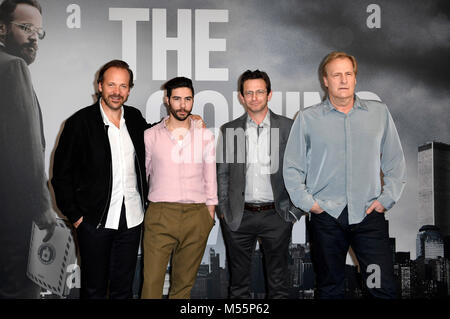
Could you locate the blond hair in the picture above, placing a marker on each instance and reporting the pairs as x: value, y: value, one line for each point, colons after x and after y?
x: 333, y: 56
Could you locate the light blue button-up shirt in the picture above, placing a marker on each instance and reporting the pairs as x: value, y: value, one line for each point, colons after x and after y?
x: 336, y: 159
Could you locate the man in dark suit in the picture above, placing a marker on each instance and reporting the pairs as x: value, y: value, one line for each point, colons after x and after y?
x: 253, y: 202
x: 24, y: 190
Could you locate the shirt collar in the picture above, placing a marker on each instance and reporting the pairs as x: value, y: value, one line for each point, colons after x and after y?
x: 164, y: 124
x: 327, y: 106
x: 360, y: 104
x: 106, y: 120
x: 264, y: 123
x: 357, y: 104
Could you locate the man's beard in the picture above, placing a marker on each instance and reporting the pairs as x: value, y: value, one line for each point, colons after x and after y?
x: 26, y: 51
x: 179, y: 117
x: 107, y: 100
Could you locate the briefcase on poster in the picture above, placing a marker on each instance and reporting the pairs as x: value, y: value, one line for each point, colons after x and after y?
x: 50, y: 263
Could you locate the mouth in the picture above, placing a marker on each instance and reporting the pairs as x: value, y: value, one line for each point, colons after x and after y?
x: 30, y: 52
x: 32, y: 48
x: 115, y: 98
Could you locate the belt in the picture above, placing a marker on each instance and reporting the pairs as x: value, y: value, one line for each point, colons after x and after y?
x: 259, y: 207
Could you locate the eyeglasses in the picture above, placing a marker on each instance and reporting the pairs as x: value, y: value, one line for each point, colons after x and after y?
x: 258, y: 93
x: 30, y: 29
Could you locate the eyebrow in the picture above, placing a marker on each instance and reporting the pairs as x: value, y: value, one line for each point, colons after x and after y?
x: 340, y: 72
x: 115, y: 83
x: 26, y: 22
x: 174, y: 96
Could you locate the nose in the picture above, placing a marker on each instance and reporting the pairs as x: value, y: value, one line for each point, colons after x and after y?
x: 344, y: 79
x: 33, y: 36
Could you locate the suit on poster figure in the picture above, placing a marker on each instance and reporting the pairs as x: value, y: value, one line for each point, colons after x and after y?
x: 24, y: 190
x: 334, y: 156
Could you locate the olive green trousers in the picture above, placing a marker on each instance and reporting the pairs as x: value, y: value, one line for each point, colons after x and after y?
x: 178, y: 230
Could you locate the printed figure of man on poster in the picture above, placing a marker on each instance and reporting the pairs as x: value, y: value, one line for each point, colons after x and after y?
x: 24, y: 189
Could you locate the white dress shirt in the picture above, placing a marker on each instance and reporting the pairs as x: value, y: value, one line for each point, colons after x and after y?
x: 124, y: 182
x: 258, y: 188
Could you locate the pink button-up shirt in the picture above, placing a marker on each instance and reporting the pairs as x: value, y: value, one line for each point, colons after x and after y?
x: 180, y: 171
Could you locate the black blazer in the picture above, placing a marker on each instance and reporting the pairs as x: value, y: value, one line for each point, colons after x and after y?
x: 231, y: 164
x: 82, y: 169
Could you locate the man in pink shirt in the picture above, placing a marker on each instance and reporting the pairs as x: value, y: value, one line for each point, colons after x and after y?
x: 181, y: 169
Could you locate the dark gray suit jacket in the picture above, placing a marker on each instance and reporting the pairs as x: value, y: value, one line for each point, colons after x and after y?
x: 231, y: 166
x: 24, y: 191
x: 23, y: 187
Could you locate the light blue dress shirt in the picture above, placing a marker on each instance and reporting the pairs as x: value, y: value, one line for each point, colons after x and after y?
x: 336, y: 159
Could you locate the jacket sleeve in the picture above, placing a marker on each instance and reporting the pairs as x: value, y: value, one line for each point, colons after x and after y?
x: 66, y: 170
x: 223, y: 174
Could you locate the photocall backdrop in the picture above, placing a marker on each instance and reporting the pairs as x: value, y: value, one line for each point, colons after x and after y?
x: 402, y: 48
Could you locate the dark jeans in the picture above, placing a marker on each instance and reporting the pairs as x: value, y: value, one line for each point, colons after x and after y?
x: 275, y: 235
x: 330, y: 241
x: 108, y: 256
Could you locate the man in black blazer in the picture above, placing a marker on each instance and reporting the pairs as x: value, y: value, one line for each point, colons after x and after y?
x: 24, y: 190
x: 100, y: 185
x: 253, y: 201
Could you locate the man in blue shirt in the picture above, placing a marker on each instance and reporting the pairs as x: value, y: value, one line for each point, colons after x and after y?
x: 334, y: 158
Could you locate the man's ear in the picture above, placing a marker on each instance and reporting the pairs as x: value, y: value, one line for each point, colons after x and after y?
x: 241, y: 98
x: 3, y: 30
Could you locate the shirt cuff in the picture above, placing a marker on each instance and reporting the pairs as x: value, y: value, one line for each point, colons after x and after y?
x: 386, y: 201
x: 307, y: 204
x: 211, y: 202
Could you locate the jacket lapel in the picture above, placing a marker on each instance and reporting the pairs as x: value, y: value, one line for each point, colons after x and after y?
x: 242, y: 123
x: 274, y: 146
x: 41, y: 122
